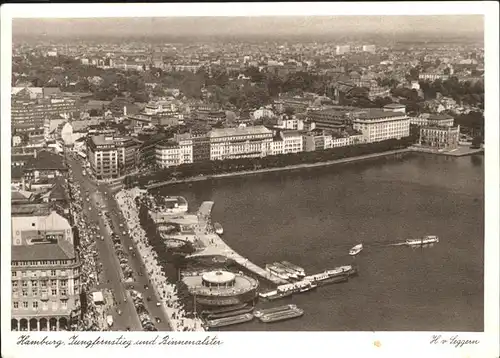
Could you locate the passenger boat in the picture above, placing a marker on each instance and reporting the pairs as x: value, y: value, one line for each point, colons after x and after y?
x: 304, y: 286
x: 260, y: 313
x: 426, y: 240
x: 291, y: 273
x: 274, y: 295
x: 219, y: 230
x: 356, y: 250
x: 277, y: 272
x: 241, y: 311
x: 281, y: 316
x: 225, y: 309
x: 323, y: 278
x: 228, y: 321
x: 342, y: 270
x: 299, y: 270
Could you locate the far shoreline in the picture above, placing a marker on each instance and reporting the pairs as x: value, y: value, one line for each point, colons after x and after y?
x: 312, y: 165
x: 286, y: 168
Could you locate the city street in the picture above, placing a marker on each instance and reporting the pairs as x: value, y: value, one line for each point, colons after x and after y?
x: 100, y: 195
x: 111, y: 268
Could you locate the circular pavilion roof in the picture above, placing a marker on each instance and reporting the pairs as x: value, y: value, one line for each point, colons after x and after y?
x: 218, y: 277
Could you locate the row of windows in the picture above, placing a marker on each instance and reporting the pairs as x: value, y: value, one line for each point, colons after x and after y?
x: 34, y: 292
x: 43, y: 273
x: 34, y: 283
x: 35, y: 305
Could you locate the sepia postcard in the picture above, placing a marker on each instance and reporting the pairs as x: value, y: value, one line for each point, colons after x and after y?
x: 268, y: 178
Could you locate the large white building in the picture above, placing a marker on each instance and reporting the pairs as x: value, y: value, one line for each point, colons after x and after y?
x: 378, y: 125
x: 242, y: 142
x: 342, y: 49
x: 174, y: 152
x: 45, y: 272
x: 292, y: 142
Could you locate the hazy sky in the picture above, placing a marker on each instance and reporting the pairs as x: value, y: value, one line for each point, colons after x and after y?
x: 249, y: 25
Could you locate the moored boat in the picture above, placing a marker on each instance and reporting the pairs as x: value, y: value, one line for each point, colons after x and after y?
x: 213, y: 316
x: 260, y: 313
x: 225, y: 309
x: 281, y: 316
x: 300, y: 271
x: 291, y: 273
x: 426, y: 240
x: 219, y: 230
x: 356, y: 250
x: 277, y: 272
x: 228, y: 321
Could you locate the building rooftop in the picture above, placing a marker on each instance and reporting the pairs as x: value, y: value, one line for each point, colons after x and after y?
x: 228, y: 132
x: 30, y: 209
x: 440, y: 117
x: 394, y: 105
x: 377, y: 113
x: 40, y: 252
x: 46, y: 160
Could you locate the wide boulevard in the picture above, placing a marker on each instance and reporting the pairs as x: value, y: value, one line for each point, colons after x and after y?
x: 100, y: 199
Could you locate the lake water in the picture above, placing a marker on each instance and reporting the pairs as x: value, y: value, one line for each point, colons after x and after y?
x: 313, y: 217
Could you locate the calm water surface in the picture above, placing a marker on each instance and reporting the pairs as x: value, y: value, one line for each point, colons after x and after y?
x: 312, y: 218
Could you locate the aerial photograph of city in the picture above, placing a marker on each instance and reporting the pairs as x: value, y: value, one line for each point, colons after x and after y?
x: 314, y: 173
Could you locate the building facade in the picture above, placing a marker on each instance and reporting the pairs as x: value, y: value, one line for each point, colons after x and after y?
x: 329, y: 119
x: 378, y: 125
x: 174, y: 152
x: 28, y: 116
x: 112, y: 157
x: 45, y: 274
x: 440, y: 137
x: 243, y: 142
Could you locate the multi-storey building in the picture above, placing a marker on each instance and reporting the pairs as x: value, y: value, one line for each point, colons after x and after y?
x: 316, y: 140
x: 174, y: 152
x: 378, y: 125
x: 292, y: 142
x: 28, y: 116
x: 440, y: 137
x: 329, y: 119
x: 242, y: 142
x: 369, y: 48
x: 45, y: 273
x: 111, y: 157
x: 439, y: 120
x: 342, y: 49
x: 44, y: 165
x: 201, y: 146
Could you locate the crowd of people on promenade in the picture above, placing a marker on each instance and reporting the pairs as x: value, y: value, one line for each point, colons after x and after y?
x: 90, y: 268
x: 167, y: 292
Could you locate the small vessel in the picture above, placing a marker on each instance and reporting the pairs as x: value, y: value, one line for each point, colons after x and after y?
x: 281, y: 316
x: 219, y: 230
x: 300, y: 271
x: 291, y: 273
x: 241, y: 311
x: 274, y: 295
x: 225, y: 309
x: 426, y: 240
x: 228, y: 321
x: 277, y: 272
x: 260, y: 313
x: 356, y: 250
x: 305, y: 286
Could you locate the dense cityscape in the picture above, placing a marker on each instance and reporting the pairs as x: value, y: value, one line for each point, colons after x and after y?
x: 99, y: 124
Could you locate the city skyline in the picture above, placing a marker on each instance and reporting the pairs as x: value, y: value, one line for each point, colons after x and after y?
x: 217, y: 26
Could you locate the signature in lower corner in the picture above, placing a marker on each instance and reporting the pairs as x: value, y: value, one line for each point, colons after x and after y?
x: 454, y: 340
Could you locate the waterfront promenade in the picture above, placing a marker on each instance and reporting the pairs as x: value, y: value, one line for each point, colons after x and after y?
x: 215, y: 246
x: 162, y: 289
x: 289, y: 167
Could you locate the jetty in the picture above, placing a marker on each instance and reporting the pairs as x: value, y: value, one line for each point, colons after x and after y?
x: 213, y: 245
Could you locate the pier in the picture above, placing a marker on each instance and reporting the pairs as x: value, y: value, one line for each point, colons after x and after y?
x: 214, y: 245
